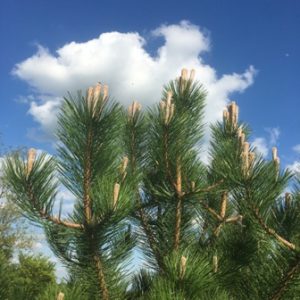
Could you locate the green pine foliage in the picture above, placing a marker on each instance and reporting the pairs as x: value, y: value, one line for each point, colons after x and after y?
x: 222, y: 230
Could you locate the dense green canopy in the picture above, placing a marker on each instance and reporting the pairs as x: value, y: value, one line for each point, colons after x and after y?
x: 225, y: 230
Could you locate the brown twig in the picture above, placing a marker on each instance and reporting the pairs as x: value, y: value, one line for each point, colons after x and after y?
x: 166, y: 156
x: 211, y: 211
x: 178, y: 206
x: 234, y: 219
x: 271, y: 231
x: 87, y: 179
x: 222, y: 216
x: 218, y: 229
x: 151, y: 240
x: 53, y: 219
x: 224, y: 201
x: 31, y: 156
x: 293, y: 270
x: 101, y: 277
x: 211, y: 187
x: 58, y: 221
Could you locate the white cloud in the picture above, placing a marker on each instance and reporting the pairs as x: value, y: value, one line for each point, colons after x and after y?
x: 294, y: 167
x: 68, y: 200
x: 274, y: 135
x: 1, y: 164
x: 25, y: 99
x: 121, y: 61
x: 297, y: 148
x: 37, y: 245
x: 44, y: 112
x: 261, y: 146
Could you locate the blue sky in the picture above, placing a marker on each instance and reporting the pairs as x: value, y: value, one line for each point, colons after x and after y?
x: 261, y: 33
x: 242, y: 50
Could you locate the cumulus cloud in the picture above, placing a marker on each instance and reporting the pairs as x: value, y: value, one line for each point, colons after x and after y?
x: 37, y: 245
x: 297, y: 148
x: 67, y: 199
x: 274, y: 135
x: 132, y: 73
x: 294, y: 167
x: 263, y: 145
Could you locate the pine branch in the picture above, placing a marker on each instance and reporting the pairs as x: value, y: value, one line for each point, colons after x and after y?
x: 224, y: 201
x: 217, y: 230
x: 154, y: 180
x: 149, y: 234
x: 248, y: 160
x: 165, y: 148
x: 211, y: 187
x: 151, y: 240
x: 221, y: 218
x: 134, y: 116
x: 44, y: 215
x: 271, y: 231
x: 178, y: 205
x: 203, y: 190
x: 87, y: 178
x: 92, y: 99
x: 223, y: 204
x: 101, y: 277
x: 211, y: 211
x: 166, y: 156
x: 58, y: 221
x: 290, y: 274
x: 234, y: 219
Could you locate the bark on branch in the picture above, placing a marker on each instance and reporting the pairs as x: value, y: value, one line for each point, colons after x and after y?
x: 58, y: 221
x: 53, y: 219
x: 101, y: 277
x: 151, y: 239
x: 178, y: 206
x: 271, y: 231
x: 87, y: 177
x: 211, y: 211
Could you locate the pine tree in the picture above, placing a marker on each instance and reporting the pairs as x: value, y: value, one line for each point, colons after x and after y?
x: 225, y: 230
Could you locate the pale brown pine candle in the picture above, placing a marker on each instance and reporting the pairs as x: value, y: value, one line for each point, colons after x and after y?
x: 30, y: 159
